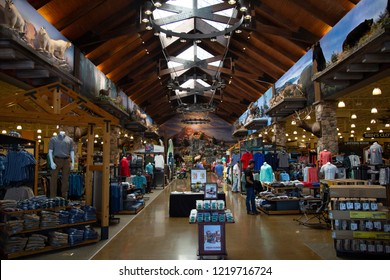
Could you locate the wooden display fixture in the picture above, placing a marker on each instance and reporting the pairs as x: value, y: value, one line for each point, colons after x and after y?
x: 287, y: 106
x: 56, y: 104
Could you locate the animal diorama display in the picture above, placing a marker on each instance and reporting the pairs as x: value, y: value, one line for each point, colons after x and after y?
x: 105, y: 92
x: 53, y: 47
x: 356, y: 34
x: 13, y: 17
x: 318, y: 56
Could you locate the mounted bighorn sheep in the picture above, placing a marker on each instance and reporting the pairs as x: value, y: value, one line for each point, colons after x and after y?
x: 314, y: 128
x: 13, y: 17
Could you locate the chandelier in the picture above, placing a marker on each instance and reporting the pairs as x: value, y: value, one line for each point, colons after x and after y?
x: 196, y: 120
x: 197, y: 107
x: 240, y: 16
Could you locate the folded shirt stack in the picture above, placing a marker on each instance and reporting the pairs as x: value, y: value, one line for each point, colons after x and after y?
x: 31, y: 221
x: 49, y: 219
x: 36, y: 242
x: 57, y: 239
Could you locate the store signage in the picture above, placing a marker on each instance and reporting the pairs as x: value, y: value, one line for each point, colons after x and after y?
x: 376, y: 135
x: 357, y: 143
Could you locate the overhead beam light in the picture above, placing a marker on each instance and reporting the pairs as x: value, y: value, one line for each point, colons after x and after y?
x: 341, y: 104
x: 376, y: 91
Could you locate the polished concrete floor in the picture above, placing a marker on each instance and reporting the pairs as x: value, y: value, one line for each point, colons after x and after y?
x: 153, y: 235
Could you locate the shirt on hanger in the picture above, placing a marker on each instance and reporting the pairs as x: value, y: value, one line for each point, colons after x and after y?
x: 159, y: 161
x: 245, y: 158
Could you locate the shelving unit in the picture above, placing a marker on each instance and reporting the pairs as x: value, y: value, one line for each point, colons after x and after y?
x: 359, y: 227
x: 5, y: 216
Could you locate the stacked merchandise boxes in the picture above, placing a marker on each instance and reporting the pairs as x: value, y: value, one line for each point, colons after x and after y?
x: 360, y: 222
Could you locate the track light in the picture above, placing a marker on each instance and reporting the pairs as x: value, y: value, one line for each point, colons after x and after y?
x: 376, y: 91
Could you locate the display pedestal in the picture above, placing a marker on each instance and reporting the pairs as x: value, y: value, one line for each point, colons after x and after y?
x: 211, y: 240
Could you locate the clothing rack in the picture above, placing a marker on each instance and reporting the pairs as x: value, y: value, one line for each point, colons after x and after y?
x: 12, y: 142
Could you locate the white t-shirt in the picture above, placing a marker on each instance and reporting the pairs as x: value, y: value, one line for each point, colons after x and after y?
x: 159, y: 161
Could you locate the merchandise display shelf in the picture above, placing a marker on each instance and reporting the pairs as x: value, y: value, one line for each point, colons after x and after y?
x: 51, y: 228
x: 46, y: 249
x: 346, y: 215
x: 349, y: 234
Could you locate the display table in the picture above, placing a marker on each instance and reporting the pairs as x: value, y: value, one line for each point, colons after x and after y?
x: 181, y: 204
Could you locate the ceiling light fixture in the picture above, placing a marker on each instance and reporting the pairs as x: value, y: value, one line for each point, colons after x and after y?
x: 368, y: 128
x: 373, y: 121
x: 295, y: 132
x: 341, y: 104
x: 352, y: 131
x: 387, y: 125
x: 353, y: 116
x: 232, y: 2
x: 157, y: 4
x: 39, y: 131
x: 376, y: 91
x: 4, y: 132
x: 54, y: 133
x: 19, y: 127
x: 380, y: 131
x: 353, y: 125
x: 293, y: 122
x: 374, y: 110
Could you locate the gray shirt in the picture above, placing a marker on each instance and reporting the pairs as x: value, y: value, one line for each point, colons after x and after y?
x: 61, y: 145
x: 376, y: 154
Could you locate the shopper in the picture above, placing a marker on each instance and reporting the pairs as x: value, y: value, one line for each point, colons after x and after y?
x: 236, y: 176
x: 219, y: 171
x: 250, y: 189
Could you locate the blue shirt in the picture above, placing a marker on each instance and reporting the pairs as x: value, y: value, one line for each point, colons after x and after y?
x: 219, y: 169
x: 149, y: 168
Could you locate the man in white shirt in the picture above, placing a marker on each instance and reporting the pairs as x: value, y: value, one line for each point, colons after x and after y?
x: 236, y: 177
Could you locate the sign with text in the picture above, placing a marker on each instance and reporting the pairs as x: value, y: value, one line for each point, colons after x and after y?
x: 376, y: 135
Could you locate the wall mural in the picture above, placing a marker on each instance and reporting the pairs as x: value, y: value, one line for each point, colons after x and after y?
x: 204, y: 142
x: 37, y: 33
x: 357, y: 27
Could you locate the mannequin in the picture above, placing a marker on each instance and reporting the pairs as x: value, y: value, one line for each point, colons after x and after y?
x: 328, y: 171
x: 149, y: 168
x: 375, y: 154
x: 61, y: 151
x: 124, y: 171
x: 325, y: 156
x: 266, y: 173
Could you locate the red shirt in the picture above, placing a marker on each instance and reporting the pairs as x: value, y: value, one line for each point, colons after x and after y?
x: 325, y: 156
x: 245, y: 158
x: 125, y: 171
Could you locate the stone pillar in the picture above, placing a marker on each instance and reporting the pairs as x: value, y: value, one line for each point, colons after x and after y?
x: 279, y: 138
x: 326, y: 116
x: 114, y: 152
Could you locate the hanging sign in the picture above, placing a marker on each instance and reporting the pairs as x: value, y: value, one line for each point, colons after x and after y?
x: 376, y: 135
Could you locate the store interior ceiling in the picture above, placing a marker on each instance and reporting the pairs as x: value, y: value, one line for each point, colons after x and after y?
x: 112, y: 35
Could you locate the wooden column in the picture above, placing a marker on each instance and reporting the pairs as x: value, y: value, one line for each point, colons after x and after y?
x: 88, y: 175
x: 106, y: 180
x: 36, y: 151
x: 57, y: 100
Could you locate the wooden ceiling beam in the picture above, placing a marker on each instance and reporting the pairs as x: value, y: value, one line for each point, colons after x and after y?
x: 77, y: 14
x: 122, y: 69
x: 37, y: 4
x: 315, y: 12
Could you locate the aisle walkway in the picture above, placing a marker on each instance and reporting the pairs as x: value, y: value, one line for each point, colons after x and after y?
x: 152, y: 234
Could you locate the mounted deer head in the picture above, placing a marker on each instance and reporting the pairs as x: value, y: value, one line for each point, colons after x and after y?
x: 300, y: 118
